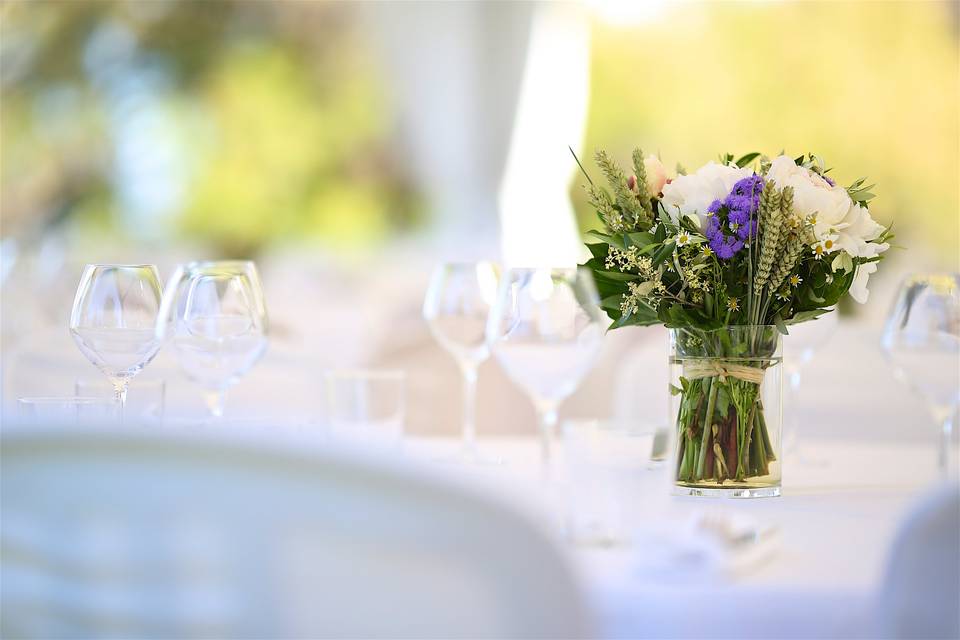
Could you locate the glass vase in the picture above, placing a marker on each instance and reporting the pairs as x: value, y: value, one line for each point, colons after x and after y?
x: 726, y: 396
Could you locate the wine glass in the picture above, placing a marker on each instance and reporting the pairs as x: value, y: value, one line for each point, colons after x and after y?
x: 113, y: 318
x: 214, y: 315
x: 545, y: 330
x: 799, y: 348
x: 456, y: 309
x: 922, y: 341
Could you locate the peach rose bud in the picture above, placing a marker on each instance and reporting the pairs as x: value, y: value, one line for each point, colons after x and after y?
x: 656, y: 174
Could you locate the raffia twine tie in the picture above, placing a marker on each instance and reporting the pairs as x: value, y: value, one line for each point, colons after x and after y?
x: 715, y: 368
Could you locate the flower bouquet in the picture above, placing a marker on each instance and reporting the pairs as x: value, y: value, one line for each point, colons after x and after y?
x: 727, y: 258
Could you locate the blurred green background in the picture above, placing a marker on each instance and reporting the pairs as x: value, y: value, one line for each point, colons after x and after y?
x: 872, y: 87
x: 244, y: 125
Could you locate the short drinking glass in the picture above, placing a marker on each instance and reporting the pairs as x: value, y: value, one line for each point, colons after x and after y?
x: 70, y: 410
x: 366, y: 406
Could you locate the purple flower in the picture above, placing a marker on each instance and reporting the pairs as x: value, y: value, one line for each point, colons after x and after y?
x: 734, y: 219
x: 749, y: 186
x: 726, y: 246
x: 748, y: 230
x: 829, y: 181
x: 716, y: 243
x: 738, y: 216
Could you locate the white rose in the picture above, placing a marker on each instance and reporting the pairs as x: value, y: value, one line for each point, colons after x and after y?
x: 839, y: 222
x: 858, y: 288
x: 854, y: 233
x: 692, y: 194
x: 656, y: 174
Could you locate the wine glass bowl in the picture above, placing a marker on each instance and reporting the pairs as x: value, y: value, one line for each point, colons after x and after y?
x: 921, y: 341
x: 456, y: 309
x: 545, y: 331
x: 214, y: 316
x: 113, y: 319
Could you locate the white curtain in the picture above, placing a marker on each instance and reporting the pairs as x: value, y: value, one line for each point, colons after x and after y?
x: 489, y: 95
x: 538, y: 227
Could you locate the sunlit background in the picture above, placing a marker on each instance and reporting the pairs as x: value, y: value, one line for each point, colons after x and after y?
x: 349, y: 146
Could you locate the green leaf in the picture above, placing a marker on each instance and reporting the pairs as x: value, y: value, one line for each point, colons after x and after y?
x: 781, y: 326
x: 661, y: 233
x: 640, y: 239
x: 664, y: 252
x: 598, y: 250
x: 617, y: 275
x: 622, y: 321
x: 612, y: 302
x: 804, y: 316
x: 723, y: 401
x: 612, y: 240
x: 746, y: 159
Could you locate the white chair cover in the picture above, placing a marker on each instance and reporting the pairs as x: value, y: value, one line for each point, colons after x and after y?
x: 142, y: 533
x: 921, y: 593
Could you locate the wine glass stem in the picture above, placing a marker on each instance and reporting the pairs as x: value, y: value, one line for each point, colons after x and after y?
x: 120, y: 395
x: 469, y: 434
x: 945, y: 461
x: 547, y: 415
x: 215, y: 402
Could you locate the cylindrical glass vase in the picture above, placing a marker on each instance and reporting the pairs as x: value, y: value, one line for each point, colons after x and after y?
x: 726, y: 399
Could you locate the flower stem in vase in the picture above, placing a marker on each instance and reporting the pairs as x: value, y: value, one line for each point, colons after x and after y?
x: 707, y: 426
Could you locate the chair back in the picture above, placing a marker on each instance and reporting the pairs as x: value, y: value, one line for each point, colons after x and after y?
x: 137, y: 533
x: 920, y: 597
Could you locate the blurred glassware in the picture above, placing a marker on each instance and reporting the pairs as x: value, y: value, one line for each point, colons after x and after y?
x: 921, y: 340
x: 9, y: 252
x: 145, y: 402
x: 799, y: 348
x: 113, y: 320
x: 456, y: 309
x: 611, y: 480
x: 70, y: 410
x: 545, y: 330
x: 368, y: 407
x: 215, y: 316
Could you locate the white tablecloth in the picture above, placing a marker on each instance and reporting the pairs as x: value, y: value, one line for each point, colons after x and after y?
x: 831, y: 532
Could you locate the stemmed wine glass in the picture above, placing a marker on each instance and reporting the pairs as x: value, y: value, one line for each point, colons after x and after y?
x: 922, y: 341
x: 214, y: 315
x: 799, y: 348
x: 456, y: 308
x: 113, y: 318
x: 545, y: 329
